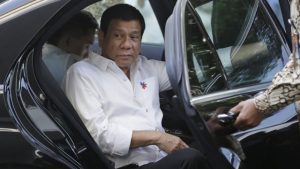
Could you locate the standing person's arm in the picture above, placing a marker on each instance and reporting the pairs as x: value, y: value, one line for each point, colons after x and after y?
x: 252, y: 111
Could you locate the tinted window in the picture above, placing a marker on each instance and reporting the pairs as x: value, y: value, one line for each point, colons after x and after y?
x: 239, y: 44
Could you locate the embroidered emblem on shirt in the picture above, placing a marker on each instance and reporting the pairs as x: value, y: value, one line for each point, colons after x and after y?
x: 144, y: 85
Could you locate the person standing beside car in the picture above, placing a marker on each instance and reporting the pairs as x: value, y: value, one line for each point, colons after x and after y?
x: 284, y: 90
x: 69, y: 44
x: 117, y: 97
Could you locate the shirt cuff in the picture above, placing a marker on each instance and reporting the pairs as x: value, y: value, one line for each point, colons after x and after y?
x: 122, y: 142
x: 262, y: 104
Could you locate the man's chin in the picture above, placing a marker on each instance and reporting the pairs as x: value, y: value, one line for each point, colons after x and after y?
x: 124, y: 65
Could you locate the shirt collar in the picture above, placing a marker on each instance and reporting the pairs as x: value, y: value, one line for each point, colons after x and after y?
x: 100, y: 61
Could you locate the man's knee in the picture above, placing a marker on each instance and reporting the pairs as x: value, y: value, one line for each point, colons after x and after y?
x: 188, y: 158
x: 193, y: 158
x: 191, y: 154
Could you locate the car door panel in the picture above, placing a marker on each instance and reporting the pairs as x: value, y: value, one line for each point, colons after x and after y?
x: 257, y: 48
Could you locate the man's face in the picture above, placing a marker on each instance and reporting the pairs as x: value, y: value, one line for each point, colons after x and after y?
x: 80, y: 45
x: 122, y: 42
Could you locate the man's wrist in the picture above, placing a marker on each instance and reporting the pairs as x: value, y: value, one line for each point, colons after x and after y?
x: 156, y: 135
x: 261, y: 102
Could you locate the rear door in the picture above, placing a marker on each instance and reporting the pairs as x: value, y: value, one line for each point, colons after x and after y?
x: 35, y: 101
x: 222, y: 52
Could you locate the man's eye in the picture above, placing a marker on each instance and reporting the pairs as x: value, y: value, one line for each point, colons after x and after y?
x: 135, y: 37
x: 117, y: 35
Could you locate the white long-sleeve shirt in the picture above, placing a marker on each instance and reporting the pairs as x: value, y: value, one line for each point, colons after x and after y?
x: 112, y: 106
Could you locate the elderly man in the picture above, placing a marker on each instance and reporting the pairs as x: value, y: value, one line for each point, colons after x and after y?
x: 117, y: 97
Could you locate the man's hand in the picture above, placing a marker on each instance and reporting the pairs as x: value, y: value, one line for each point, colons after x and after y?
x: 170, y: 143
x: 164, y: 141
x: 248, y: 115
x: 215, y: 126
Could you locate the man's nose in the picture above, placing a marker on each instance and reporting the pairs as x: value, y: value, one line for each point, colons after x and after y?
x: 126, y: 43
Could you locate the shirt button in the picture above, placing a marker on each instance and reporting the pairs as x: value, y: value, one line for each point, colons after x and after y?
x: 146, y: 110
x: 124, y: 80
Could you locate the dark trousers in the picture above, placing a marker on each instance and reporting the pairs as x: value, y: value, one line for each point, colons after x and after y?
x: 188, y: 158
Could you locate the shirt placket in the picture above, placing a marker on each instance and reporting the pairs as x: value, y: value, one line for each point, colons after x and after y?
x: 122, y: 77
x: 136, y: 84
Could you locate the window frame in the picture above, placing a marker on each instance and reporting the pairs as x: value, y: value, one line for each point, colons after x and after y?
x: 241, y: 89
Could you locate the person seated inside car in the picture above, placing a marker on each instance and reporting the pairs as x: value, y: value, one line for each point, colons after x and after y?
x: 117, y: 97
x: 69, y: 44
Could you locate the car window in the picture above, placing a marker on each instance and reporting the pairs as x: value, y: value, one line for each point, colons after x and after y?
x: 152, y: 32
x: 239, y: 43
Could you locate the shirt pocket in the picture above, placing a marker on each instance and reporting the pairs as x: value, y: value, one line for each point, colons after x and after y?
x: 147, y: 89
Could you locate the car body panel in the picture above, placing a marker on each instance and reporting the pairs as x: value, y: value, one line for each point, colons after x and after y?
x: 23, y: 17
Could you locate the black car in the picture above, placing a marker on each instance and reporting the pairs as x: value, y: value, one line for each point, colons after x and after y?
x: 217, y: 53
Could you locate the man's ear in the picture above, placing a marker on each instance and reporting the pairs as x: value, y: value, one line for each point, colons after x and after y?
x: 100, y: 37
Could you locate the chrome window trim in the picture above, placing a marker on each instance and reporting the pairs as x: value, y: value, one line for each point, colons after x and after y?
x: 9, y: 130
x: 224, y: 94
x: 23, y: 8
x: 1, y: 88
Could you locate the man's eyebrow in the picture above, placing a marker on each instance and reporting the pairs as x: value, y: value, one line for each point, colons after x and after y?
x: 136, y: 32
x: 116, y: 30
x: 121, y: 30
